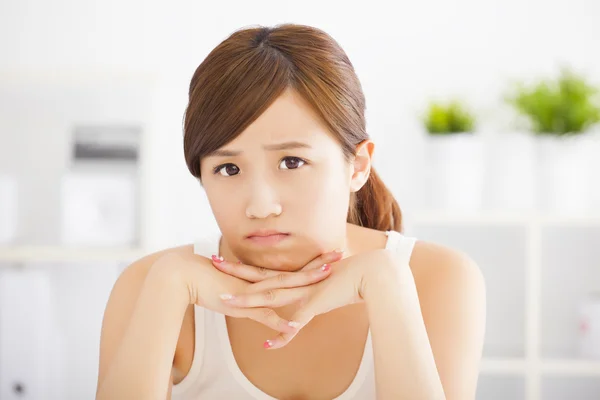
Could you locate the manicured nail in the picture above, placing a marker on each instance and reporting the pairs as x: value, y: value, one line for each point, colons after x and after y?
x: 325, y: 267
x: 226, y: 296
x: 217, y: 259
x: 268, y: 344
x: 294, y: 324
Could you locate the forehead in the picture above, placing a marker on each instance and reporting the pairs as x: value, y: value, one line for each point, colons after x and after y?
x: 289, y: 117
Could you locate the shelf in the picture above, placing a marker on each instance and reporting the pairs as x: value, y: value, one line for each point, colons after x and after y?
x: 50, y: 254
x: 437, y: 217
x: 567, y: 367
x: 571, y: 367
x: 499, y: 366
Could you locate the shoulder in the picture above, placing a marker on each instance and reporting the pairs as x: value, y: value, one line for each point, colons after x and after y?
x: 136, y: 271
x: 129, y: 283
x: 452, y: 298
x: 451, y: 290
x: 434, y: 265
x: 431, y: 263
x: 122, y: 300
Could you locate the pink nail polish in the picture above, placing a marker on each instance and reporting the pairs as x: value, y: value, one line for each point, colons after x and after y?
x: 268, y: 344
x: 325, y: 267
x: 217, y: 259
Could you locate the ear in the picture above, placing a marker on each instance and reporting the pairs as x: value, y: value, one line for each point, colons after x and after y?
x: 361, y: 165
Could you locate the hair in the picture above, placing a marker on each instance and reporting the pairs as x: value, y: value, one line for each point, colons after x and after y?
x: 250, y: 69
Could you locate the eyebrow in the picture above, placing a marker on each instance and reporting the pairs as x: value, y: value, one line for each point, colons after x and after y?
x: 270, y: 147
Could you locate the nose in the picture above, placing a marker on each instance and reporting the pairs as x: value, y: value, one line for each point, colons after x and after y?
x: 263, y: 202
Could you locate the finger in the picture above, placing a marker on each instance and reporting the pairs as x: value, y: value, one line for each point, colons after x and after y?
x: 324, y: 258
x: 265, y: 316
x: 246, y: 272
x: 290, y: 280
x: 299, y: 321
x: 271, y: 298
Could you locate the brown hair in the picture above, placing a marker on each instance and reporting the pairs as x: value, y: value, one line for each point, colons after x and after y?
x: 245, y: 73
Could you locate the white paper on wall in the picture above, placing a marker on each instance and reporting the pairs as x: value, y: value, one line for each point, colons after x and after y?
x: 97, y: 209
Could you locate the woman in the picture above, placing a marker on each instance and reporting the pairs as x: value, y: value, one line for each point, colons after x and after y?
x: 275, y: 132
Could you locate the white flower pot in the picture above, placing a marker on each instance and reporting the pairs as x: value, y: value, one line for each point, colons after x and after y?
x: 510, y: 171
x: 456, y: 171
x: 565, y: 173
x: 595, y: 170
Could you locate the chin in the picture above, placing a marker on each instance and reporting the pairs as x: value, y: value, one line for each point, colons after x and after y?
x: 273, y: 260
x: 289, y: 258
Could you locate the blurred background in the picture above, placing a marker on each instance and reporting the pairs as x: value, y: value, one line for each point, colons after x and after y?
x: 485, y: 118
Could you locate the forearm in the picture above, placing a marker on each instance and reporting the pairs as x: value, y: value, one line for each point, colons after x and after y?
x: 404, y: 363
x: 142, y: 366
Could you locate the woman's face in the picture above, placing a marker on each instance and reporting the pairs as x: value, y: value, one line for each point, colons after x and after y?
x: 285, y: 173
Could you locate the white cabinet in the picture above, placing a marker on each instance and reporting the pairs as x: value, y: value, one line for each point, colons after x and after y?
x: 50, y: 321
x: 30, y: 349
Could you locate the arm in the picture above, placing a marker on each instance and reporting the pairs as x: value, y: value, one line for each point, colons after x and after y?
x: 140, y: 330
x: 426, y: 344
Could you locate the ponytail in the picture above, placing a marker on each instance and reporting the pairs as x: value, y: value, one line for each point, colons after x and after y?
x: 374, y: 206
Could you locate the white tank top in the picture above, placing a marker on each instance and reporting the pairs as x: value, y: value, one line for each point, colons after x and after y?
x: 214, y: 373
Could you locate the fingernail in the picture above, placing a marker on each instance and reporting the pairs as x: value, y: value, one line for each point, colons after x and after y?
x: 294, y: 324
x: 268, y: 344
x: 226, y: 296
x: 217, y: 259
x: 325, y: 267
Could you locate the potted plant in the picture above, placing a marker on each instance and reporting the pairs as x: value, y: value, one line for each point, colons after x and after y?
x: 455, y: 155
x: 560, y: 113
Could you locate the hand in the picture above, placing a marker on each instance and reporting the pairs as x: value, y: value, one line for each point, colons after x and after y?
x: 205, y: 284
x: 269, y: 282
x: 343, y: 287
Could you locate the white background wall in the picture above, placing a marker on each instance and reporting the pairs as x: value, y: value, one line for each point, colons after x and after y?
x: 404, y: 54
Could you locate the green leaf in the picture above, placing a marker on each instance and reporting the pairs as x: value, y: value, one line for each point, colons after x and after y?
x: 448, y: 118
x: 565, y: 105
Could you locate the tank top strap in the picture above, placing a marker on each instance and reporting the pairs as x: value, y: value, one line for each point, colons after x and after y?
x: 401, y: 244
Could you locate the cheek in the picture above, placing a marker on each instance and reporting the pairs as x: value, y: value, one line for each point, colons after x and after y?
x: 223, y: 207
x: 324, y: 192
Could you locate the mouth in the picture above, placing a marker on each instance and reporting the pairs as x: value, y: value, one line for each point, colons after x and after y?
x: 267, y: 237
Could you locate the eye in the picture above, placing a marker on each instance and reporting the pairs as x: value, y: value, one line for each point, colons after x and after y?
x: 227, y: 170
x: 291, y: 163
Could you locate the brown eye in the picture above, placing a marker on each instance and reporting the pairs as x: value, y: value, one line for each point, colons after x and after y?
x: 227, y: 169
x: 291, y: 163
